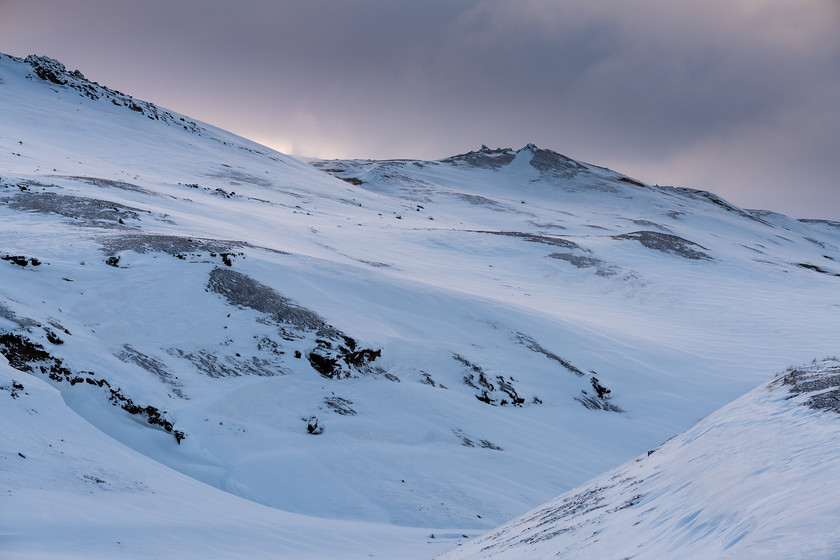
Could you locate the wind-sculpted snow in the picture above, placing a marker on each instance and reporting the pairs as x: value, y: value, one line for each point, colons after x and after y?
x: 753, y: 480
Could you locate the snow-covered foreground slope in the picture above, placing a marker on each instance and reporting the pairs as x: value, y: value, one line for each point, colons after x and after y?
x: 756, y: 479
x: 416, y: 344
x: 69, y: 491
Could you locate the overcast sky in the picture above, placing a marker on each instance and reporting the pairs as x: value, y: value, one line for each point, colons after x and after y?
x: 740, y: 97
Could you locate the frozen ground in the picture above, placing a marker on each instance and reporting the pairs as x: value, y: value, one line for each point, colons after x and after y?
x: 413, y: 347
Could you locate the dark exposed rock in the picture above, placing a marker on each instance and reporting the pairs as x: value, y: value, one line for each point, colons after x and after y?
x: 89, y: 211
x: 812, y: 221
x: 427, y: 379
x: 488, y: 391
x: 336, y: 355
x: 600, y: 390
x: 219, y: 366
x: 577, y: 260
x: 22, y: 353
x: 239, y: 289
x: 553, y: 241
x: 21, y: 260
x: 820, y: 383
x: 601, y: 399
x: 816, y: 268
x: 548, y: 163
x: 313, y: 426
x: 340, y: 405
x: 53, y: 338
x: 595, y: 403
x: 552, y: 165
x: 152, y: 365
x: 532, y: 344
x: 10, y: 315
x: 48, y: 69
x: 719, y: 202
x: 488, y: 445
x: 13, y: 389
x: 111, y: 183
x: 56, y: 73
x: 170, y: 244
x: 153, y: 415
x: 581, y: 261
x: 28, y: 356
x: 506, y: 387
x: 342, y: 363
x: 479, y: 200
x: 484, y: 158
x: 631, y: 181
x: 667, y: 243
x: 469, y: 442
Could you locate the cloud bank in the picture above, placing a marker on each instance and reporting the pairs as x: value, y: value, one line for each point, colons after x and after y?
x: 739, y: 97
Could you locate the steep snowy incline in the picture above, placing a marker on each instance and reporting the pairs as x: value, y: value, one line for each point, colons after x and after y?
x: 756, y: 479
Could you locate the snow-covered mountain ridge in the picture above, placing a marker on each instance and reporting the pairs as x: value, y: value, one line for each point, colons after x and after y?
x: 438, y: 345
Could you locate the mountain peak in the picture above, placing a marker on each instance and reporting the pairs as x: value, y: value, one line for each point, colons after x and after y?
x: 548, y: 163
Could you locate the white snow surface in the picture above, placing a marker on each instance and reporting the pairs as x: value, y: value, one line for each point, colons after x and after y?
x: 70, y: 491
x: 478, y: 308
x: 756, y: 479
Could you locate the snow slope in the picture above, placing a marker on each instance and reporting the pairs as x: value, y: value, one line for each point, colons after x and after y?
x: 72, y: 492
x: 435, y: 345
x: 756, y: 479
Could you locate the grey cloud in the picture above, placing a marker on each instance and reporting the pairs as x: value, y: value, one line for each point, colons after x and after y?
x: 646, y: 84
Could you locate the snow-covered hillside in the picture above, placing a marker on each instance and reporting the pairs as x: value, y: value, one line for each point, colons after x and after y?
x: 70, y: 491
x: 756, y: 479
x: 436, y: 347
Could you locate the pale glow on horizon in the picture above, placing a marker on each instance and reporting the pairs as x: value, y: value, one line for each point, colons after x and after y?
x: 299, y: 150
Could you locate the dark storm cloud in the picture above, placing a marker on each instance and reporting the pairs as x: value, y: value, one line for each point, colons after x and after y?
x: 740, y: 97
